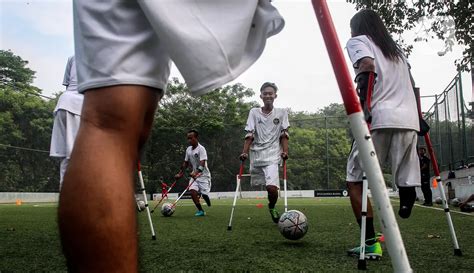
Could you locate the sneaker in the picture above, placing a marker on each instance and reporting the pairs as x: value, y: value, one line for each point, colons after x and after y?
x: 275, y: 215
x: 379, y: 237
x: 200, y: 213
x: 372, y: 252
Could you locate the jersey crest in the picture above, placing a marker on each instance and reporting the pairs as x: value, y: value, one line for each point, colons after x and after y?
x: 276, y: 121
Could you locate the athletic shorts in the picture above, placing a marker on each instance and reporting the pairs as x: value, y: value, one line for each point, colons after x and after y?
x: 201, y: 185
x: 396, y: 147
x: 65, y: 127
x: 265, y: 175
x: 211, y: 42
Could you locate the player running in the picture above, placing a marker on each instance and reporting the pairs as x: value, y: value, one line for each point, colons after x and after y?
x: 267, y: 140
x: 390, y: 109
x: 196, y: 155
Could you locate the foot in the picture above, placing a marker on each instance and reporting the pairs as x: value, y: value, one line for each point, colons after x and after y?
x: 275, y: 215
x: 372, y: 252
x: 200, y: 213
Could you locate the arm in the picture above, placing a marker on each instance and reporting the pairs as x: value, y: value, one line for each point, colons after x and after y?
x: 245, y: 150
x: 284, y: 144
x: 200, y: 169
x: 469, y: 199
x: 181, y: 170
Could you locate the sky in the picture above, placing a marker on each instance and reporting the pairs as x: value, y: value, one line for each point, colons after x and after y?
x: 41, y: 31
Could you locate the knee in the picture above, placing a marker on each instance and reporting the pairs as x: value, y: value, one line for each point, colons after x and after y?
x: 272, y: 189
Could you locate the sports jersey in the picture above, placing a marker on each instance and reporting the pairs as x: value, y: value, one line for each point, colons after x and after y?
x: 195, y: 156
x: 71, y: 100
x: 393, y: 101
x: 266, y: 129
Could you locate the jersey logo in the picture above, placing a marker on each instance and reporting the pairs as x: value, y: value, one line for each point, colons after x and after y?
x: 276, y: 121
x: 196, y: 155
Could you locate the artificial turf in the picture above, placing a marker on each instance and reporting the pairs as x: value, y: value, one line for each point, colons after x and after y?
x: 29, y: 239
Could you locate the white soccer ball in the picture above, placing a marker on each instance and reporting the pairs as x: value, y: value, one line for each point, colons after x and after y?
x: 293, y: 225
x: 167, y: 209
x: 438, y: 200
x: 141, y: 205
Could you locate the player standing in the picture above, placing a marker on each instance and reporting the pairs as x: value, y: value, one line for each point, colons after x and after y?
x: 267, y: 141
x: 388, y: 100
x: 67, y: 118
x: 196, y: 156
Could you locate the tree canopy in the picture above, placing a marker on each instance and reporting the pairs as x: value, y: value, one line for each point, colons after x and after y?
x: 449, y: 21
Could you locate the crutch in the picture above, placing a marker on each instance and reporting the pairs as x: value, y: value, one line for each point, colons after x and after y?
x: 284, y: 185
x: 434, y: 162
x: 164, y: 195
x: 142, y: 189
x: 361, y: 264
x: 185, y: 190
x: 362, y: 136
x: 237, y: 187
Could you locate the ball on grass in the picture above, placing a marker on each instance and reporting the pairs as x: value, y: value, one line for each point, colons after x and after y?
x: 141, y: 205
x: 293, y: 225
x: 438, y: 200
x: 167, y: 209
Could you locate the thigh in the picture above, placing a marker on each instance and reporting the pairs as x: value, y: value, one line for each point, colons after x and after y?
x: 404, y: 159
x: 272, y: 177
x: 354, y: 172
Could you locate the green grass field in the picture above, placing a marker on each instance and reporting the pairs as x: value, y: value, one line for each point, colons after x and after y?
x: 29, y: 239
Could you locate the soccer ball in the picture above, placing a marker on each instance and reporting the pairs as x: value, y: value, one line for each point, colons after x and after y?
x: 293, y: 225
x: 167, y: 209
x: 141, y: 205
x: 438, y: 200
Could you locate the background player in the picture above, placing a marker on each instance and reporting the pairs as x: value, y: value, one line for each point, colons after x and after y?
x: 196, y: 156
x: 67, y: 118
x: 267, y: 140
x: 390, y: 109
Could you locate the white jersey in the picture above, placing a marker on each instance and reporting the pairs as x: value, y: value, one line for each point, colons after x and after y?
x: 195, y: 156
x: 266, y: 129
x: 71, y: 100
x: 393, y: 100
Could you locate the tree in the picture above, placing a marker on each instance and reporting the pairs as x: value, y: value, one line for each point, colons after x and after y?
x: 448, y: 21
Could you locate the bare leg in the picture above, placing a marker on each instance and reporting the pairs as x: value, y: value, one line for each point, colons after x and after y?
x: 272, y: 196
x: 195, y: 196
x: 96, y: 216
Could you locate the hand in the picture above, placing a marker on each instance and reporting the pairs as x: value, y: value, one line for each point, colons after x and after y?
x: 243, y: 156
x: 195, y: 175
x: 178, y: 175
x: 284, y: 155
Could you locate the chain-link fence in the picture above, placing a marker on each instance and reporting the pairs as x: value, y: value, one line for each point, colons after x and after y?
x: 451, y: 132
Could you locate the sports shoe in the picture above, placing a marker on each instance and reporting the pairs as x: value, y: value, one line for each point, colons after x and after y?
x: 200, y: 213
x: 372, y: 252
x: 379, y: 237
x: 275, y: 215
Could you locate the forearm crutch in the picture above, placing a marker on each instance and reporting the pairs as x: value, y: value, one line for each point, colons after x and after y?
x: 363, y: 138
x: 142, y: 189
x: 237, y: 188
x: 361, y: 264
x: 284, y: 185
x: 164, y: 195
x: 185, y: 190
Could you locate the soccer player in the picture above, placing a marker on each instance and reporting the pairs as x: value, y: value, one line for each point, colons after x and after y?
x: 425, y: 177
x: 388, y: 100
x: 67, y: 117
x: 123, y: 53
x: 267, y: 141
x: 196, y: 156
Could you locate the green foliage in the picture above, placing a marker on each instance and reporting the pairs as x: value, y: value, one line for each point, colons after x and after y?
x: 448, y: 21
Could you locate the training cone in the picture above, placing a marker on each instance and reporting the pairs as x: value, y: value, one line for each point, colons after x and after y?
x: 259, y: 205
x: 18, y: 202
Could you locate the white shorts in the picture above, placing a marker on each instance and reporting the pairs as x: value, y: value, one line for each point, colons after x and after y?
x: 265, y: 175
x: 201, y: 185
x: 65, y: 128
x: 394, y: 146
x: 133, y: 42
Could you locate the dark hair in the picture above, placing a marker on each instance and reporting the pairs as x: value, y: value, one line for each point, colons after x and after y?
x: 194, y: 131
x: 269, y: 84
x: 368, y: 22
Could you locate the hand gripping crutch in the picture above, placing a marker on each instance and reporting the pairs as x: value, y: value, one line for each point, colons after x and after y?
x: 434, y: 162
x: 284, y: 185
x: 361, y: 264
x: 362, y: 136
x: 237, y: 188
x: 165, y: 194
x: 142, y: 189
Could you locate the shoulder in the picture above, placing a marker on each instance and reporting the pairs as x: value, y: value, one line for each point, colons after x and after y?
x: 281, y: 111
x: 359, y: 40
x: 202, y: 148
